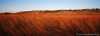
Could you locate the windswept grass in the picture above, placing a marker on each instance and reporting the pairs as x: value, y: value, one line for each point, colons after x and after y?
x: 49, y: 24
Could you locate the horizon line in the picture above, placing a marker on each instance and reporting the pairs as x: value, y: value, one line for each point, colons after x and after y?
x: 48, y: 9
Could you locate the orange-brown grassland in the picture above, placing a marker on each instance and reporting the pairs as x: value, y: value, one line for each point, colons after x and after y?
x: 84, y: 22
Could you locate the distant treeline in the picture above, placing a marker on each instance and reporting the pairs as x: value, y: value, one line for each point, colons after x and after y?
x: 70, y: 10
x: 77, y: 10
x: 59, y: 11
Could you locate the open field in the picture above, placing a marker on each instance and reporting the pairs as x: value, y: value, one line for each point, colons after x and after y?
x: 50, y: 24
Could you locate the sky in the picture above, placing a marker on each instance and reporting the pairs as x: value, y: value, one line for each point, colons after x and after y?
x: 26, y: 5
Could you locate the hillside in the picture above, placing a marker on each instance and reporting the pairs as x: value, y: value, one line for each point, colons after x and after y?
x: 50, y: 23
